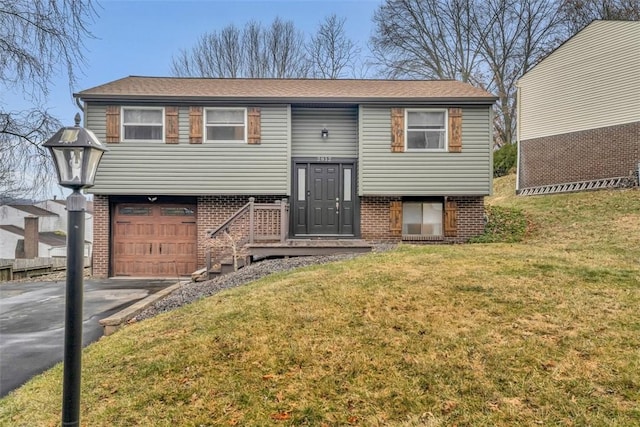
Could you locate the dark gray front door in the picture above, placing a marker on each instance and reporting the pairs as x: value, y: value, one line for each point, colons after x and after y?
x: 323, y: 202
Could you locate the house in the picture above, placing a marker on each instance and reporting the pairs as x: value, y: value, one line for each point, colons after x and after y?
x: 353, y: 159
x: 37, y: 229
x: 14, y: 214
x: 59, y: 207
x: 579, y: 112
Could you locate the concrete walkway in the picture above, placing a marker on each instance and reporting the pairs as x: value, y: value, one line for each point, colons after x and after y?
x: 32, y: 321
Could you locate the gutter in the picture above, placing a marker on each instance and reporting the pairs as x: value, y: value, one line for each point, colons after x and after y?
x: 518, y: 133
x: 204, y: 100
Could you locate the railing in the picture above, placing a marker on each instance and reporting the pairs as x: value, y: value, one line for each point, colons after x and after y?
x: 254, y: 222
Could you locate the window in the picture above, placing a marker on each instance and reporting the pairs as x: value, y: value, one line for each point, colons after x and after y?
x: 142, y: 124
x: 426, y: 129
x: 422, y: 218
x: 225, y: 124
x: 134, y: 211
x: 177, y: 211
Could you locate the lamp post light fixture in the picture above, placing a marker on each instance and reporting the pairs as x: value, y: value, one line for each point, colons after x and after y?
x: 76, y: 153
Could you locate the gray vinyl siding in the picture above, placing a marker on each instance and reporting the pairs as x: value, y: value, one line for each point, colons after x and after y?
x: 385, y: 173
x: 156, y: 168
x: 306, y: 126
x: 95, y: 119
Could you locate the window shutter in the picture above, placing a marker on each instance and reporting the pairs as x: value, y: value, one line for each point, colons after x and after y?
x: 195, y: 125
x: 450, y: 218
x: 253, y: 127
x: 397, y: 130
x: 171, y: 125
x: 113, y: 123
x: 395, y: 217
x: 455, y: 130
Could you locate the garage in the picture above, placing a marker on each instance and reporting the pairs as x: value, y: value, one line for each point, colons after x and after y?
x: 153, y: 240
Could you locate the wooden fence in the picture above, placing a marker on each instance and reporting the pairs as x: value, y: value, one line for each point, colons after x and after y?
x: 12, y: 269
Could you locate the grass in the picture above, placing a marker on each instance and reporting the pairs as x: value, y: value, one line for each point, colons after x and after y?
x: 543, y: 332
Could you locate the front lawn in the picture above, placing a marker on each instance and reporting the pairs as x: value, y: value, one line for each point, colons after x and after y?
x: 543, y: 332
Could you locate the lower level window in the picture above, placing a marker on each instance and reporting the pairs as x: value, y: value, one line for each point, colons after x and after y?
x: 422, y: 218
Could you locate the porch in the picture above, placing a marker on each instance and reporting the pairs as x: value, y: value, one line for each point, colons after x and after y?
x: 261, y: 230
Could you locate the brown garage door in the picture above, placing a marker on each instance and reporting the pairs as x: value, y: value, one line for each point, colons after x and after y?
x: 154, y: 240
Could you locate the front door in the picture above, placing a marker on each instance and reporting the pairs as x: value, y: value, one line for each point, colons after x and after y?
x: 324, y: 199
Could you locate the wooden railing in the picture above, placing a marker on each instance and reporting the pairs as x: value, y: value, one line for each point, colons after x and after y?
x: 253, y: 223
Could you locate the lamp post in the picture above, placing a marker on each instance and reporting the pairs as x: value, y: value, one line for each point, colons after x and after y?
x: 76, y: 153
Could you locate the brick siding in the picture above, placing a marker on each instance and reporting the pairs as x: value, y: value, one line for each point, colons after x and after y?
x: 374, y: 219
x: 214, y: 210
x: 100, y: 252
x: 580, y: 156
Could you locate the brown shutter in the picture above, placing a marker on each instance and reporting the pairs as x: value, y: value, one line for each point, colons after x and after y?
x: 395, y: 217
x: 195, y: 125
x: 171, y: 125
x: 397, y: 130
x: 113, y: 123
x: 253, y: 127
x: 450, y: 218
x: 455, y: 130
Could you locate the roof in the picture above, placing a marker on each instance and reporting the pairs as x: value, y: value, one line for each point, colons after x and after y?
x: 34, y: 210
x: 300, y: 90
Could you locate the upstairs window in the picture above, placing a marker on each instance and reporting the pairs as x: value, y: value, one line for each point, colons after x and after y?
x: 426, y: 129
x: 226, y: 124
x: 142, y: 124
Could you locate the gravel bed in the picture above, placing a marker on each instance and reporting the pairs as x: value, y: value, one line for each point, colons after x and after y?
x: 194, y: 291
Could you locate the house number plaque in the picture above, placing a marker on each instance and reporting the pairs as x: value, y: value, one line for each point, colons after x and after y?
x: 324, y: 158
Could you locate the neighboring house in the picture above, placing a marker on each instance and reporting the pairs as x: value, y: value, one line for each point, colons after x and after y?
x: 48, y: 223
x: 355, y: 159
x: 60, y: 207
x: 15, y: 214
x: 579, y: 111
x: 50, y: 244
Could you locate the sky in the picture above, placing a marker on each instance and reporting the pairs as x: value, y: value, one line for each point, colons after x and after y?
x: 139, y: 37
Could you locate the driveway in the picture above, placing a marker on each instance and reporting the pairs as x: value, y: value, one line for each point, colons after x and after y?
x: 32, y: 321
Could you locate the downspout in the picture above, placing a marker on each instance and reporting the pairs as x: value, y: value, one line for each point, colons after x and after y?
x: 81, y: 107
x: 518, y: 132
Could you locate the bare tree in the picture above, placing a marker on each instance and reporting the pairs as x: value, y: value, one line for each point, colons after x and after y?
x: 519, y: 34
x: 426, y: 39
x: 276, y: 51
x: 578, y: 14
x: 216, y: 54
x: 37, y: 38
x: 331, y: 52
x: 488, y: 43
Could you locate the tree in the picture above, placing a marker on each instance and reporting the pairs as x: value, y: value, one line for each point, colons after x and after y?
x: 276, y: 51
x: 331, y: 52
x: 489, y: 44
x: 38, y: 39
x: 578, y: 14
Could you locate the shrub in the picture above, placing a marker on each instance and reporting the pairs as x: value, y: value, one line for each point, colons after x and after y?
x: 504, y: 159
x: 503, y: 224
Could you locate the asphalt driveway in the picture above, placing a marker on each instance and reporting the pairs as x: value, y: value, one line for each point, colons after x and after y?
x: 32, y: 321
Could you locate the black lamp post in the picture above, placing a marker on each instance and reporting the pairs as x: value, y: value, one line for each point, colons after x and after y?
x: 76, y: 153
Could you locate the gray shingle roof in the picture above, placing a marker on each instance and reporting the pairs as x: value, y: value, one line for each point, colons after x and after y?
x: 285, y: 89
